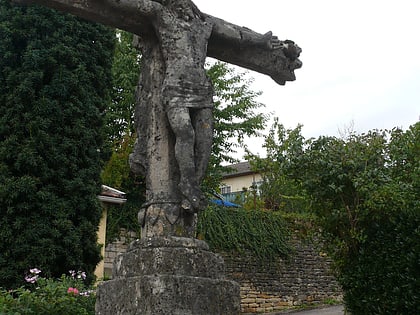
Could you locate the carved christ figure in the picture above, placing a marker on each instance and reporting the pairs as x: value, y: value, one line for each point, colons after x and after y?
x: 183, y: 33
x: 175, y: 38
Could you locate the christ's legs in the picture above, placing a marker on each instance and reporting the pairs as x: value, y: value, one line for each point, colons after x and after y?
x: 180, y: 121
x: 202, y: 120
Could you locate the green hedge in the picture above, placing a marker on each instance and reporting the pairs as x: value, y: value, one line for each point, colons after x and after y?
x: 384, y: 278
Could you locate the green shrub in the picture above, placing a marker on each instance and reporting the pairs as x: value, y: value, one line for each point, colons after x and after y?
x: 364, y: 192
x: 66, y: 295
x: 384, y: 277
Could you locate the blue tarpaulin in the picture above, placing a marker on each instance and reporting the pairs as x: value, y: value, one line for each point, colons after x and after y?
x: 225, y: 203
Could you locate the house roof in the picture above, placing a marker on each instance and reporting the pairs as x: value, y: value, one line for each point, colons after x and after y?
x: 239, y: 169
x: 112, y: 195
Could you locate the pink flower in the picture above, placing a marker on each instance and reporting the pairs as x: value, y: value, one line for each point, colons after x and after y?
x: 73, y: 291
x: 77, y: 275
x: 83, y: 275
x: 35, y: 271
x: 86, y: 293
x: 31, y: 279
x: 33, y: 276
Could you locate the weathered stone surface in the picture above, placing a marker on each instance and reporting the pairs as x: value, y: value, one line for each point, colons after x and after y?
x: 169, y: 256
x: 306, y: 278
x: 168, y: 241
x: 168, y: 294
x: 224, y: 43
x: 169, y: 275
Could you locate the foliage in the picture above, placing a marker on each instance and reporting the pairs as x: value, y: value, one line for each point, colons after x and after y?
x: 250, y: 198
x: 356, y: 181
x: 383, y: 276
x: 121, y: 135
x: 364, y: 190
x: 382, y: 266
x: 118, y: 175
x: 262, y: 233
x: 280, y: 191
x: 125, y: 74
x: 54, y: 86
x: 235, y: 117
x: 66, y: 295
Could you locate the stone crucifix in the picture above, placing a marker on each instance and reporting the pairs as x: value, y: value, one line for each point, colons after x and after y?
x: 174, y: 99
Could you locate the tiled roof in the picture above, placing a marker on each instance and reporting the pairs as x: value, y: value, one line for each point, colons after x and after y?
x: 239, y: 169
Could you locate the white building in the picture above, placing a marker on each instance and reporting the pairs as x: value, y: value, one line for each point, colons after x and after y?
x: 240, y: 180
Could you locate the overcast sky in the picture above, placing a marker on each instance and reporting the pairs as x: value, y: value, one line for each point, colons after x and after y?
x: 361, y: 61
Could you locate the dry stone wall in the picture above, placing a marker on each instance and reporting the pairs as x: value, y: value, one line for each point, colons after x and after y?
x: 306, y: 278
x: 118, y: 246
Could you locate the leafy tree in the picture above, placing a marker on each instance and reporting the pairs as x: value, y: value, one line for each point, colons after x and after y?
x: 116, y: 173
x: 54, y: 86
x: 121, y: 136
x: 279, y: 190
x: 236, y: 116
x: 125, y: 74
x: 365, y: 192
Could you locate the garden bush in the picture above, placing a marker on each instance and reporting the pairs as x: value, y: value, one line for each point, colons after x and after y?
x: 47, y: 296
x: 364, y: 190
x: 384, y: 277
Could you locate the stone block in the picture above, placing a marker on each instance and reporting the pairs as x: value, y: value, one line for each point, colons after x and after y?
x: 167, y: 295
x: 249, y: 310
x: 190, y: 261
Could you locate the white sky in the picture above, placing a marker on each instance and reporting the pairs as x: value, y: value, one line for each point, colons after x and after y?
x: 361, y: 61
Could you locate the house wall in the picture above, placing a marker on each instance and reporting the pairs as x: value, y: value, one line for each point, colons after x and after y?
x: 99, y: 270
x: 240, y: 182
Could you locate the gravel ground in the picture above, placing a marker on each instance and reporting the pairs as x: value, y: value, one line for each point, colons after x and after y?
x: 330, y: 310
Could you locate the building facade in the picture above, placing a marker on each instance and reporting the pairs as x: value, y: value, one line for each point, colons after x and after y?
x: 241, y: 179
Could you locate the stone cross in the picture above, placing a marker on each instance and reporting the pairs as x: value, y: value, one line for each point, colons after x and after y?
x: 174, y: 97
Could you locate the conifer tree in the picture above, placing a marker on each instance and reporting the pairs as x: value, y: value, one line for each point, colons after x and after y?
x: 54, y: 87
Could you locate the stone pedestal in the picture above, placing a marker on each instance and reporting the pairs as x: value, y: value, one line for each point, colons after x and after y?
x: 168, y: 275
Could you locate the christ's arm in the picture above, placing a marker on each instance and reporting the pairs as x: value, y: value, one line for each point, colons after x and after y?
x: 242, y: 37
x: 228, y: 42
x: 263, y: 53
x: 132, y: 16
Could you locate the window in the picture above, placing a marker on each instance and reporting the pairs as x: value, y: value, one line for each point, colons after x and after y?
x: 226, y: 189
x: 257, y: 187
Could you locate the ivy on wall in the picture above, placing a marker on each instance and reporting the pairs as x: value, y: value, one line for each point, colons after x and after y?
x: 262, y: 233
